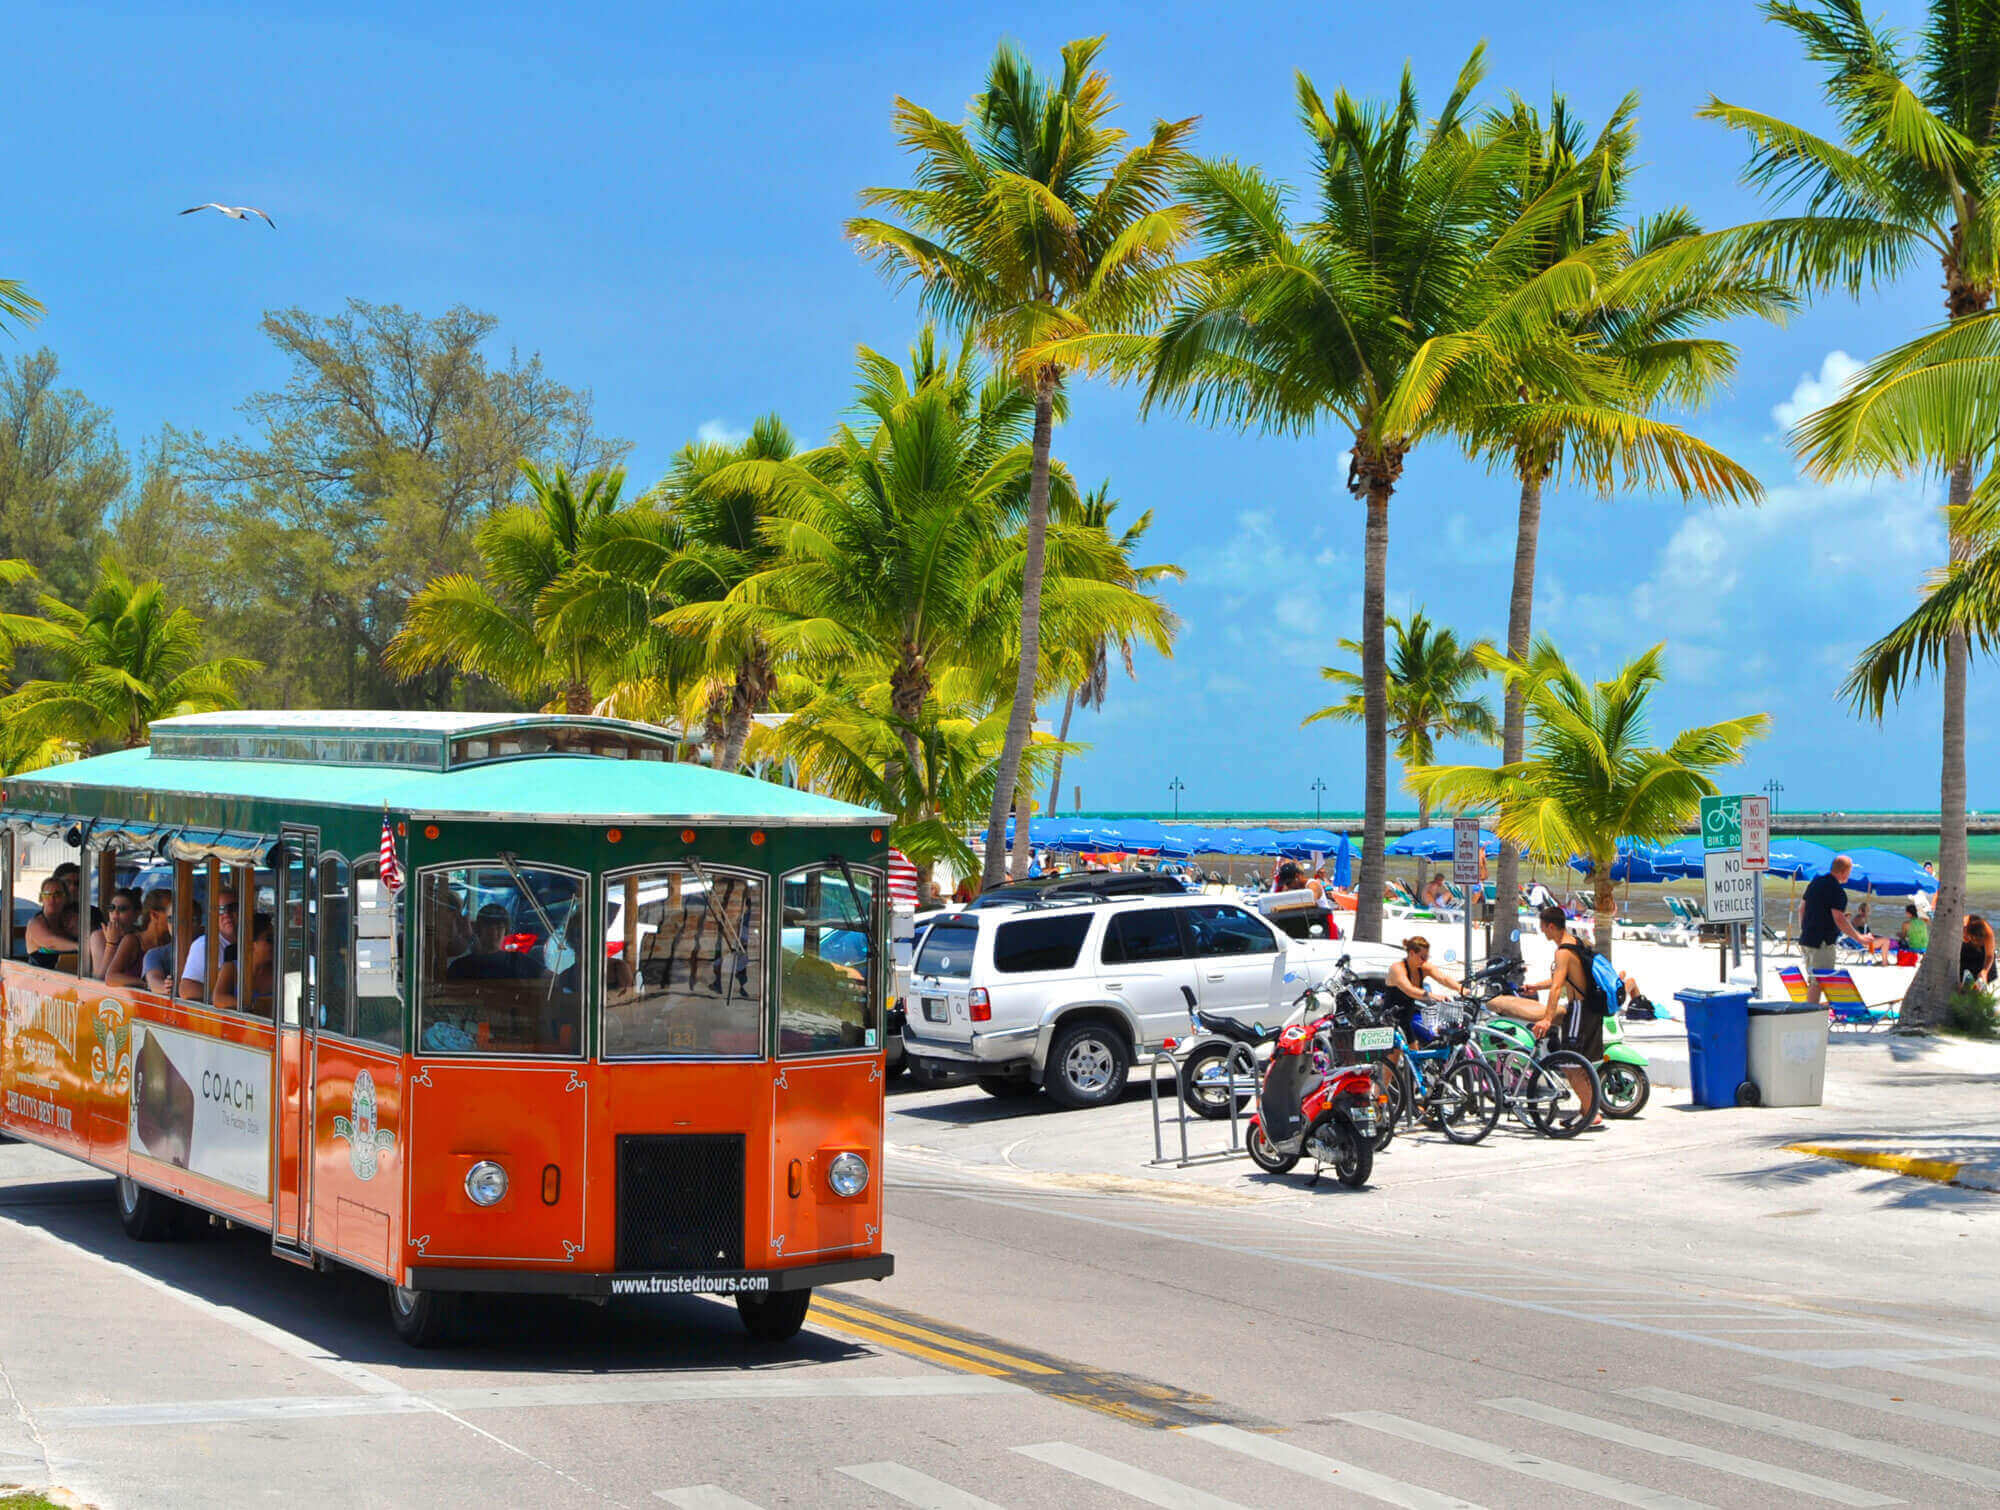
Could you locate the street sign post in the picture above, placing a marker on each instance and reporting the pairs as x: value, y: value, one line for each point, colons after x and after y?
x: 1466, y: 854
x: 1736, y: 851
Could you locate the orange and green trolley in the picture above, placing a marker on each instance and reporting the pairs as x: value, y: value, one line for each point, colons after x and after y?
x: 471, y: 1003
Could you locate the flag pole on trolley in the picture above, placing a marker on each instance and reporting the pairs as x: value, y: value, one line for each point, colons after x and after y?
x: 392, y: 872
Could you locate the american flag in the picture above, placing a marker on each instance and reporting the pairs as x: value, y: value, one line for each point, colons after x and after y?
x: 902, y: 882
x: 392, y: 873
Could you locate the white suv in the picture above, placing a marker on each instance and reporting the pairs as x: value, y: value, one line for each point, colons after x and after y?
x: 1069, y: 995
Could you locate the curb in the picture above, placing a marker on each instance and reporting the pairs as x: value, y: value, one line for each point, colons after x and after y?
x: 1983, y: 1176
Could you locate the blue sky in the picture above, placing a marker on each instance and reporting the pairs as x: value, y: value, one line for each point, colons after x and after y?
x: 651, y: 197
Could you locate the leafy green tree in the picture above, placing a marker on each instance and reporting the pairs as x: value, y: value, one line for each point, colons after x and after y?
x: 363, y: 478
x: 61, y: 471
x: 1032, y: 223
x: 1431, y: 673
x: 1386, y: 313
x: 500, y: 628
x: 1589, y: 778
x: 1911, y: 176
x: 1637, y: 346
x: 124, y: 658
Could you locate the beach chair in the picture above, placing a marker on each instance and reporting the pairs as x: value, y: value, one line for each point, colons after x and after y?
x: 1846, y: 1007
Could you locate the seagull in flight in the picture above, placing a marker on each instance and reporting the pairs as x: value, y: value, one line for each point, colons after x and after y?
x: 234, y: 212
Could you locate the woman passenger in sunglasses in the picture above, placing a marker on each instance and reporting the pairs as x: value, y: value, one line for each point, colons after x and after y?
x: 52, y: 931
x: 114, y: 944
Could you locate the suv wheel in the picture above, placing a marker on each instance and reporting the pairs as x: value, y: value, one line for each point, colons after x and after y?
x: 1087, y: 1066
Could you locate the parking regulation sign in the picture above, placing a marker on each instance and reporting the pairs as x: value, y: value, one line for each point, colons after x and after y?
x: 1755, y: 825
x: 1465, y: 849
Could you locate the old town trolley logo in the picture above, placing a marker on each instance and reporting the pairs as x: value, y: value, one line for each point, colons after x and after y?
x: 111, y: 1054
x: 365, y: 1141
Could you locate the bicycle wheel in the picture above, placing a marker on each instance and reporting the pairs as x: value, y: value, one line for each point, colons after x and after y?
x: 1565, y: 1094
x: 1514, y: 1073
x: 1467, y: 1102
x: 1388, y: 1103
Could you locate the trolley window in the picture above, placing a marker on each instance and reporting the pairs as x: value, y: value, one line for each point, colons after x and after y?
x: 683, y: 964
x: 378, y: 958
x: 501, y: 969
x: 828, y: 1002
x: 336, y: 946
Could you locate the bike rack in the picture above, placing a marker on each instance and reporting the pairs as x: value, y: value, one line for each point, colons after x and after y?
x: 1238, y: 1054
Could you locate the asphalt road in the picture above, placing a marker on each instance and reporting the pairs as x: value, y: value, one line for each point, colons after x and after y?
x: 1050, y: 1338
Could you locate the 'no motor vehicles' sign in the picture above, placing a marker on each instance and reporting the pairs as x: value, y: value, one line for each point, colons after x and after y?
x: 1731, y: 887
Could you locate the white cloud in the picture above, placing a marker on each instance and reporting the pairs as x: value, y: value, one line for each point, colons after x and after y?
x: 1254, y: 557
x: 716, y: 432
x: 1816, y: 391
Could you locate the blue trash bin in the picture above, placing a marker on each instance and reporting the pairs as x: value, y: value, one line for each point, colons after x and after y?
x: 1718, y: 1030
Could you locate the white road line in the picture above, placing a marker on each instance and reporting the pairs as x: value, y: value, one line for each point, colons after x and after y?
x: 1688, y: 1452
x: 914, y: 1488
x: 1517, y: 1461
x: 1124, y: 1478
x: 1893, y: 1454
x: 1327, y: 1470
x: 1942, y: 1376
x: 682, y: 1389
x: 705, y: 1497
x: 1911, y: 1410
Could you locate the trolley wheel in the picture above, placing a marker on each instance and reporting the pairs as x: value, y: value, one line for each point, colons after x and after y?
x: 774, y: 1318
x: 423, y: 1318
x: 146, y: 1215
x: 1747, y: 1094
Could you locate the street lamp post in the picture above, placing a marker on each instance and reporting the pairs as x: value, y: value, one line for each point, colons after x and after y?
x: 1771, y: 789
x: 1319, y: 794
x: 1177, y: 786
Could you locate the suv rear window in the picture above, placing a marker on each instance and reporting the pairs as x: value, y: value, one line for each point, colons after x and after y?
x: 947, y: 951
x: 1039, y: 943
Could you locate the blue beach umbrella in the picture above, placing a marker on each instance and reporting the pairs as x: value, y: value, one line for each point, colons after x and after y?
x: 1434, y: 843
x: 1258, y: 841
x: 1301, y: 843
x: 1795, y: 859
x: 1343, y: 864
x: 1678, y: 860
x: 1887, y: 873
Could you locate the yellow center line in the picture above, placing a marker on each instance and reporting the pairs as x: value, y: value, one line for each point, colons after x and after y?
x: 904, y: 1344
x: 939, y: 1339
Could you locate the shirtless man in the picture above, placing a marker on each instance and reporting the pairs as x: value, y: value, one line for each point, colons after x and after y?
x: 1564, y: 1011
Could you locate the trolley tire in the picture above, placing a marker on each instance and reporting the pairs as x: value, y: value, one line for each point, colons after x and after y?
x: 1071, y: 1054
x: 1264, y: 1155
x: 1203, y: 1101
x: 1626, y: 1087
x: 1006, y: 1087
x: 774, y: 1318
x: 1747, y: 1094
x: 146, y: 1215
x: 423, y: 1318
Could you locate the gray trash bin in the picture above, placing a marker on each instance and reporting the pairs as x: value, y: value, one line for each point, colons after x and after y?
x: 1787, y: 1060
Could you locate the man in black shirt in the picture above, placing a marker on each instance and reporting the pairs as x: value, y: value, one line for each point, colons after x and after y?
x: 489, y: 959
x: 1822, y: 921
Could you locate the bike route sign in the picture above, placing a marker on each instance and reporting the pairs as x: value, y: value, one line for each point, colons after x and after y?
x: 1721, y: 823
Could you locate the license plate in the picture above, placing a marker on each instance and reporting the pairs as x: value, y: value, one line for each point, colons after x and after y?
x: 934, y: 1010
x: 1369, y: 1039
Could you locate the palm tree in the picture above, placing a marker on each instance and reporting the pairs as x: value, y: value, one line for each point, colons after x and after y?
x: 1384, y: 314
x: 1637, y: 346
x: 503, y: 632
x: 1027, y: 224
x: 1088, y: 676
x: 1589, y: 777
x: 1429, y: 673
x: 125, y: 658
x: 17, y: 303
x: 1913, y: 175
x: 690, y: 539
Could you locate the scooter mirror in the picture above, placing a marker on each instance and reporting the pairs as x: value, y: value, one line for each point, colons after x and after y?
x: 1450, y: 954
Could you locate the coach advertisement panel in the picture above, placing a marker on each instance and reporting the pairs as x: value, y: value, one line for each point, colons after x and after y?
x: 199, y: 1104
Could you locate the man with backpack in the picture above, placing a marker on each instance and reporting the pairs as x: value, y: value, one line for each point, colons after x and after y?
x: 1574, y: 1000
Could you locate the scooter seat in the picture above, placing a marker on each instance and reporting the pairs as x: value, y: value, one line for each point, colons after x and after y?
x: 1231, y: 1029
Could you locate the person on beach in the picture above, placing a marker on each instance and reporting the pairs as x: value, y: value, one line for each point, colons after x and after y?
x: 1567, y: 1016
x: 1975, y: 951
x: 1823, y: 921
x: 1408, y: 986
x: 1915, y: 934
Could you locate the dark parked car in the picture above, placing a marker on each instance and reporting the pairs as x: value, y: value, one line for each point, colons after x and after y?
x: 1095, y: 883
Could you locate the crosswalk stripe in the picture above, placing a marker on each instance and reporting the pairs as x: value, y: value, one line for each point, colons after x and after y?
x: 1688, y: 1452
x: 705, y: 1497
x: 1126, y: 1479
x: 914, y: 1488
x: 1912, y: 1410
x: 1327, y: 1470
x: 1514, y: 1458
x: 1894, y: 1454
x: 1944, y: 1376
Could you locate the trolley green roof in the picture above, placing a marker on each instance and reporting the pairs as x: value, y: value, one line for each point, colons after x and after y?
x: 523, y: 787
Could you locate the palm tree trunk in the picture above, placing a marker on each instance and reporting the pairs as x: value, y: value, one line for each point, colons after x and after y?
x: 1375, y: 722
x: 909, y: 685
x: 1604, y: 902
x: 1938, y: 976
x: 747, y: 697
x: 1503, y: 934
x: 576, y: 697
x: 1023, y: 713
x: 1055, y: 781
x: 1023, y: 855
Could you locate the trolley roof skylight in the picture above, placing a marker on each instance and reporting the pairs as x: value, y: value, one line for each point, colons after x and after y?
x: 407, y: 741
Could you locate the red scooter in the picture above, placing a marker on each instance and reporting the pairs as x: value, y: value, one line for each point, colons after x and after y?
x: 1309, y: 1105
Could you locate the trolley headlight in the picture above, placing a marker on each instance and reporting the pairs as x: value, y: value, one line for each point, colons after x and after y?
x: 847, y: 1174
x: 485, y: 1183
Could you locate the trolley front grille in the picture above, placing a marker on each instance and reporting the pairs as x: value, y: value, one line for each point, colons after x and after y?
x: 680, y: 1201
